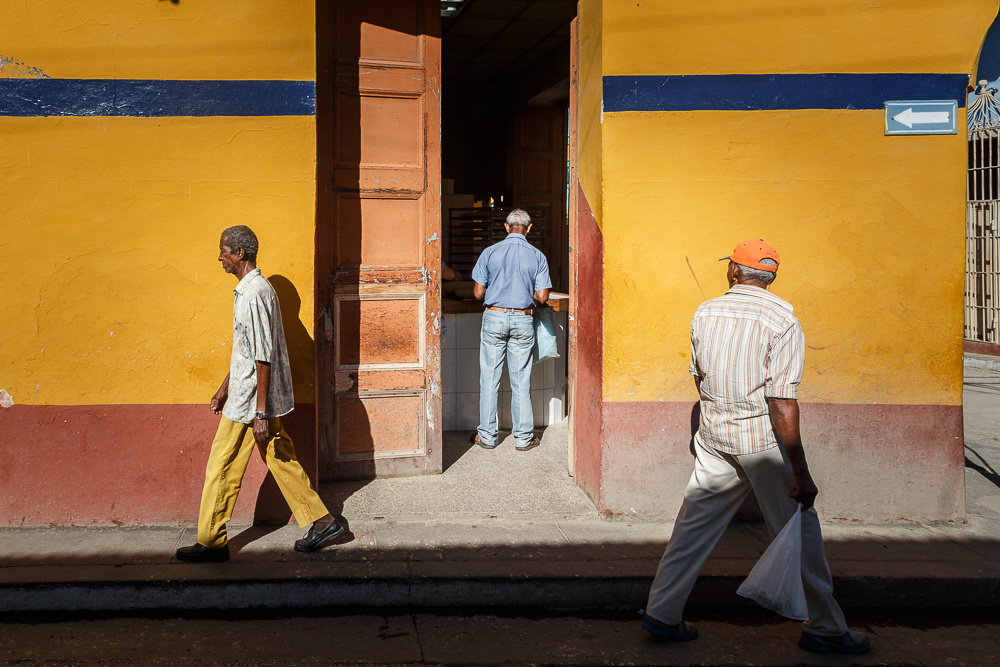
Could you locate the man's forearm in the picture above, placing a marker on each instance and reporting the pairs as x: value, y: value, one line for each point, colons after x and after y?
x: 785, y: 419
x: 225, y: 383
x: 263, y: 385
x: 542, y: 296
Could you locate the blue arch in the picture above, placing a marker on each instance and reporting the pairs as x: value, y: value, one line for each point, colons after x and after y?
x: 989, y: 57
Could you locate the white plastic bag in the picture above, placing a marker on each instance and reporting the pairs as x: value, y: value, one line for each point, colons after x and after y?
x: 775, y: 582
x: 545, y: 335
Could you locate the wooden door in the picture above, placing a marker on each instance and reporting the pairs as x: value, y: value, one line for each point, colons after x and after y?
x: 378, y: 247
x: 538, y: 155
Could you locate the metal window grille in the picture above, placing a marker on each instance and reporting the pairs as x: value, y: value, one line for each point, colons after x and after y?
x: 982, y: 237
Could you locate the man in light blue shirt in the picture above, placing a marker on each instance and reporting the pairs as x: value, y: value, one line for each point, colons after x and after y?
x: 511, y: 277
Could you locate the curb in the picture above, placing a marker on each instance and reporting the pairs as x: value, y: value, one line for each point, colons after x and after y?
x: 502, y: 590
x: 988, y: 364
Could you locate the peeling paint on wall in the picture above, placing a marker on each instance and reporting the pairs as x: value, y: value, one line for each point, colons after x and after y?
x: 12, y: 69
x: 6, y: 400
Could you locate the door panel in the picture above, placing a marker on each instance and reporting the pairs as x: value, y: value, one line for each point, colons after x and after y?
x: 539, y: 164
x: 386, y: 424
x: 379, y: 332
x: 378, y: 253
x: 389, y: 31
x: 380, y: 231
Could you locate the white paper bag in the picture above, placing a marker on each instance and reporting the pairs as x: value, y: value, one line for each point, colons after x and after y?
x: 775, y: 582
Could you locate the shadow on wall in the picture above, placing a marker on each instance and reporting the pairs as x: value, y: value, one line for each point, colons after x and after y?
x: 297, y: 338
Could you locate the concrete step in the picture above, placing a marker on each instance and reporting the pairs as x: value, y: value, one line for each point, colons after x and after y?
x: 564, y: 585
x: 476, y: 562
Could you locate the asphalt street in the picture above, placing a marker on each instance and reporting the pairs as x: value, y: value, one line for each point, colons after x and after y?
x: 421, y: 637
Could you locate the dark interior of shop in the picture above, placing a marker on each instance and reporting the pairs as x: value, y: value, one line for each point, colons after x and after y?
x: 505, y: 107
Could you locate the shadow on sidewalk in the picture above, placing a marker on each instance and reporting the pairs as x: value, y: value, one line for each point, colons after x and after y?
x: 983, y: 467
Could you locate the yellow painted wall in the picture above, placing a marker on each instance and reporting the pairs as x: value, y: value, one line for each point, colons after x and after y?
x: 851, y: 213
x: 111, y: 288
x: 793, y: 36
x: 870, y: 228
x: 160, y: 39
x: 591, y: 92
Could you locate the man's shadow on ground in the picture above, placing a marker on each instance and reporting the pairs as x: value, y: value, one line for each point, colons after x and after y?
x: 271, y: 512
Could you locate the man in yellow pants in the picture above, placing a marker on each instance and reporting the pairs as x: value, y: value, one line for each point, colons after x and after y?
x: 252, y: 398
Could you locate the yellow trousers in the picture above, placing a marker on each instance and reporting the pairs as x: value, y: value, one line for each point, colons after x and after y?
x: 226, y: 464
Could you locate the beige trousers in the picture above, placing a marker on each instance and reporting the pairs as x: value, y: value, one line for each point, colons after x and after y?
x: 717, y: 488
x: 231, y: 449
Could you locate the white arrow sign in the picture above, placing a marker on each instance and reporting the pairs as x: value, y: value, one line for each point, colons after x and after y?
x: 909, y: 118
x: 921, y: 117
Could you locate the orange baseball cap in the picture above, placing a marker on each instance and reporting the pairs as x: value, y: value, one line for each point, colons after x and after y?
x: 750, y: 252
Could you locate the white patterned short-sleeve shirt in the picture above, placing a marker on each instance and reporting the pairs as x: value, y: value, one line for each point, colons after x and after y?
x: 746, y: 347
x: 257, y: 336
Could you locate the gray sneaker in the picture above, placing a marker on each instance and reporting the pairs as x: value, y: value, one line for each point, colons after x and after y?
x: 851, y: 642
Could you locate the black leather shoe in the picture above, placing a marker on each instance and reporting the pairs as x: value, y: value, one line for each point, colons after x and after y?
x: 197, y: 553
x: 683, y: 631
x: 314, y: 539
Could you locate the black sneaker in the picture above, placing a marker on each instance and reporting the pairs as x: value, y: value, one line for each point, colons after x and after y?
x: 851, y: 642
x: 196, y: 553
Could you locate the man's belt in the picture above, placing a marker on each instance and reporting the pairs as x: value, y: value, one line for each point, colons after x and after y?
x: 526, y: 311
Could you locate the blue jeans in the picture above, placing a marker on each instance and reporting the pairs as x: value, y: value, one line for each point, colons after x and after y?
x: 512, y: 334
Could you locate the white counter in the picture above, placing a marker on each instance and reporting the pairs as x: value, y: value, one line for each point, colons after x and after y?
x: 460, y: 377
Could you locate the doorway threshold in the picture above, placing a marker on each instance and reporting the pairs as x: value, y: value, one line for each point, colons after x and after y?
x: 476, y: 483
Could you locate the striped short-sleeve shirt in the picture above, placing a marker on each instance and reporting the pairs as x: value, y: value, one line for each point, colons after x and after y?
x: 746, y: 347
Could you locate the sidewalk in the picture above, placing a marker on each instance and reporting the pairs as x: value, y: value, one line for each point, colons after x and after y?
x: 573, y: 563
x: 504, y: 528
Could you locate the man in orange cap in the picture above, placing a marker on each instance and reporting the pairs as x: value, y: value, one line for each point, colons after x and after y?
x: 747, y: 352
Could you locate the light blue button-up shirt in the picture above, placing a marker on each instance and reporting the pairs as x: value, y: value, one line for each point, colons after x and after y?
x: 512, y: 270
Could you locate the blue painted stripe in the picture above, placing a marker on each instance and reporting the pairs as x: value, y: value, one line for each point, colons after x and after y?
x: 751, y: 92
x: 151, y: 98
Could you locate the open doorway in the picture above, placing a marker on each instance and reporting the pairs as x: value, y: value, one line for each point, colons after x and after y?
x: 504, y: 144
x: 492, y: 76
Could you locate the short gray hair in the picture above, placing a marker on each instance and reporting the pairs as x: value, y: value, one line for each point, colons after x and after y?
x: 519, y: 218
x: 766, y: 277
x: 241, y: 236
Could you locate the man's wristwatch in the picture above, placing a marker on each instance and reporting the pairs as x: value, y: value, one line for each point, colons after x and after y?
x: 260, y: 415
